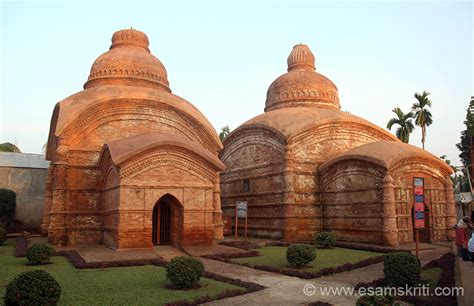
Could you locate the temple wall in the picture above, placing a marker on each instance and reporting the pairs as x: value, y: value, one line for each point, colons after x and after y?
x: 255, y: 158
x: 307, y: 152
x: 353, y: 201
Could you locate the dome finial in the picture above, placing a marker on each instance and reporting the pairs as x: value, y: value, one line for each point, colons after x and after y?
x: 301, y: 57
x: 128, y: 63
x: 130, y: 37
x: 302, y: 85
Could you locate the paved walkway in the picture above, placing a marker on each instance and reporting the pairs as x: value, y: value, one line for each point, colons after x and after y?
x: 464, y: 278
x: 286, y: 290
x: 281, y: 289
x: 212, y: 250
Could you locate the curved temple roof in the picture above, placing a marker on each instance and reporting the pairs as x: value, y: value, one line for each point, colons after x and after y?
x: 303, y: 99
x: 126, y: 148
x: 293, y: 121
x: 128, y: 71
x: 387, y: 154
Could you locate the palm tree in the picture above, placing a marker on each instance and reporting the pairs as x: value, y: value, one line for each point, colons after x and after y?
x: 423, y: 117
x: 225, y: 131
x: 405, y: 123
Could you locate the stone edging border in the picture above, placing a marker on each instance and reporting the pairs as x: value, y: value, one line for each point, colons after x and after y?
x: 299, y: 273
x: 446, y: 280
x: 306, y: 274
x: 343, y: 244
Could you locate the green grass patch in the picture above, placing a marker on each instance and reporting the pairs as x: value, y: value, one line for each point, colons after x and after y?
x: 145, y: 285
x: 325, y: 258
x: 431, y: 276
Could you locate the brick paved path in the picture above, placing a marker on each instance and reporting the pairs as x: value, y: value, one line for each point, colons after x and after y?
x: 286, y: 290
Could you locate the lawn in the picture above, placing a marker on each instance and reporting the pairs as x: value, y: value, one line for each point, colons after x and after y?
x: 431, y: 276
x: 145, y: 285
x: 325, y: 258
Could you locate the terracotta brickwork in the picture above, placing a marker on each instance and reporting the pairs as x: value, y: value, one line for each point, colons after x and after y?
x: 298, y: 159
x: 122, y: 144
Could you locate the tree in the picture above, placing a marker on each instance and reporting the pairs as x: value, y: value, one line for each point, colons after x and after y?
x: 405, y: 123
x: 446, y: 160
x: 225, y: 131
x: 9, y: 147
x: 465, y: 145
x: 423, y: 117
x: 459, y: 176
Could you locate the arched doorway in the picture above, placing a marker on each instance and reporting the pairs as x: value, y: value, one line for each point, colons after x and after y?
x: 167, y: 219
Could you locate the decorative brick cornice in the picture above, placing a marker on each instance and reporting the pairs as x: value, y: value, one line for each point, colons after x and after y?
x: 175, y: 158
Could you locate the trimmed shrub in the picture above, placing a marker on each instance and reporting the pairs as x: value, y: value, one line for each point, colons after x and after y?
x: 401, y: 269
x: 39, y: 253
x: 33, y: 288
x: 326, y: 239
x: 375, y: 300
x: 7, y: 206
x: 3, y: 235
x: 300, y: 254
x: 184, y: 271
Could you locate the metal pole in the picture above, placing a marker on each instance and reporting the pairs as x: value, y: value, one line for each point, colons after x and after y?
x: 468, y: 178
x: 236, y: 221
x: 417, y: 239
x: 246, y: 226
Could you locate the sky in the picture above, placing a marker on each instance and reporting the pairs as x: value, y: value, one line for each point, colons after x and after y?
x: 223, y: 55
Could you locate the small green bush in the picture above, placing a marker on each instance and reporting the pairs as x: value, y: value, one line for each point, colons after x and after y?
x: 184, y: 271
x: 375, y: 300
x: 326, y: 239
x: 33, y: 288
x: 401, y: 269
x: 7, y: 206
x: 3, y: 235
x: 300, y: 254
x: 39, y: 253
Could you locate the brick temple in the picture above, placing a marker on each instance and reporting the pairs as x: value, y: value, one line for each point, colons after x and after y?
x: 305, y: 166
x: 132, y: 165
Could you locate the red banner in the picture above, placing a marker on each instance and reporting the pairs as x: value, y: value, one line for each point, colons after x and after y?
x: 419, y: 209
x: 418, y: 190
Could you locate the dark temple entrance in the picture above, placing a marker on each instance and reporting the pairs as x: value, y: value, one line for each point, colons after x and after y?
x: 162, y: 222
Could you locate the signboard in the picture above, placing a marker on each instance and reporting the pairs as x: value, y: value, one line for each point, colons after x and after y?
x: 465, y: 197
x: 419, y: 215
x: 419, y: 207
x: 418, y: 190
x: 240, y: 212
x: 419, y: 198
x: 418, y: 182
x: 241, y: 209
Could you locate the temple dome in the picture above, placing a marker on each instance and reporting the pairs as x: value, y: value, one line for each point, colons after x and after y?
x: 302, y: 85
x: 128, y: 62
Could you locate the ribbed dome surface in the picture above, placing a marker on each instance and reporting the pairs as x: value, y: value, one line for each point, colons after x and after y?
x: 128, y: 62
x: 301, y: 57
x: 302, y: 85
